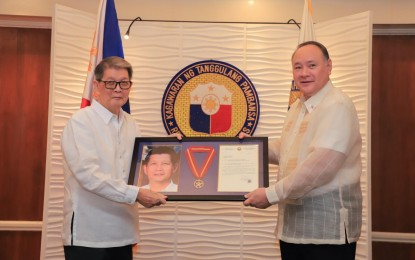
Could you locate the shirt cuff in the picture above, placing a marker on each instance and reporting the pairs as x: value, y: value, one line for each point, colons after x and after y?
x: 272, y: 195
x: 132, y: 192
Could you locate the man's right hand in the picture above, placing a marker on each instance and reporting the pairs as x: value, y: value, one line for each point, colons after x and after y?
x: 150, y: 199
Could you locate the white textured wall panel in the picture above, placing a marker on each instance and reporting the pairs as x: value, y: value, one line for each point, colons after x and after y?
x: 157, y: 50
x: 349, y: 40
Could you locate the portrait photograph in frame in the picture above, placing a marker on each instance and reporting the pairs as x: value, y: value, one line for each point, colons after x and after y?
x: 200, y: 168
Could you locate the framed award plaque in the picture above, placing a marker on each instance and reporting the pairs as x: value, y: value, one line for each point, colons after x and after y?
x: 200, y: 168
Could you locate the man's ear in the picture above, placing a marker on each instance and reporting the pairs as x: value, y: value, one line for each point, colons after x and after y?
x: 176, y: 166
x: 329, y: 65
x: 95, y: 92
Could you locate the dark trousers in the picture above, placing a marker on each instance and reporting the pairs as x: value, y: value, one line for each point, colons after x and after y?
x: 290, y: 251
x: 89, y: 253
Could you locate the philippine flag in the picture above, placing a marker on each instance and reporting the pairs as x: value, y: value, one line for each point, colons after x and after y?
x: 107, y: 42
x: 210, y: 108
x: 307, y: 33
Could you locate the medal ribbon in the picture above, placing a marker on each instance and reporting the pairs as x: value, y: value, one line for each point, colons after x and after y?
x: 199, y: 173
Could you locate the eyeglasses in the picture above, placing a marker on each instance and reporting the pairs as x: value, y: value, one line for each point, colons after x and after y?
x: 111, y: 84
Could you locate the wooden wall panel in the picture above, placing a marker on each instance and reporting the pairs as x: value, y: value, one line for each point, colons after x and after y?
x: 24, y: 74
x: 395, y: 251
x: 393, y: 134
x: 20, y: 245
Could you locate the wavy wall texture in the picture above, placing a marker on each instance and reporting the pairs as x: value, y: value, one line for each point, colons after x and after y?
x: 157, y: 50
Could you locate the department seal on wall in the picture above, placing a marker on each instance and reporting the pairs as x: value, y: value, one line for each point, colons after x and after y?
x: 210, y: 98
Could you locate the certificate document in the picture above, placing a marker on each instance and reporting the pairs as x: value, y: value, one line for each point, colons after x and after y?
x: 238, y: 169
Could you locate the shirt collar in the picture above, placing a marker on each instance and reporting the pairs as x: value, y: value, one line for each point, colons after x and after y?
x: 312, y: 103
x: 104, y: 113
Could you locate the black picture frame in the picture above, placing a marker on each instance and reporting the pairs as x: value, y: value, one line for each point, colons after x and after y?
x: 202, y: 155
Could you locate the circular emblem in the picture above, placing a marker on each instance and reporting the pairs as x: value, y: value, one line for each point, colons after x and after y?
x: 210, y: 98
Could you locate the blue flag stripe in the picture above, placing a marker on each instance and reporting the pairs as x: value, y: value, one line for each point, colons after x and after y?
x: 112, y: 42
